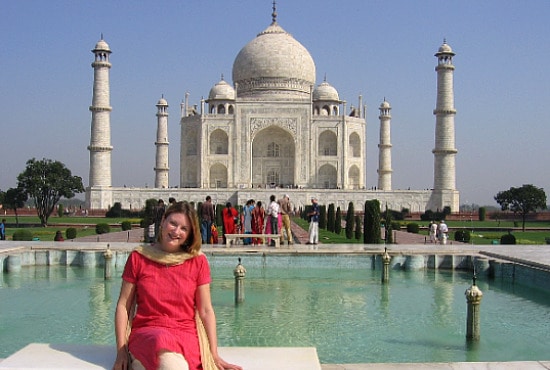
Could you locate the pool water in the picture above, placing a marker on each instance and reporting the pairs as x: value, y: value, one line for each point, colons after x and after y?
x: 340, y: 308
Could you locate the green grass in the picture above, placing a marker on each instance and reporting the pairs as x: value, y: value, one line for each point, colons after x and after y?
x: 477, y: 237
x: 85, y: 225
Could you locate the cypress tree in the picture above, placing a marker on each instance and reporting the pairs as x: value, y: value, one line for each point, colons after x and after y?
x: 350, y: 221
x: 372, y: 222
x: 330, y: 217
x: 338, y: 221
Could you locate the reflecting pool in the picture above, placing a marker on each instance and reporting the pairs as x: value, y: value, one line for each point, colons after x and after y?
x: 336, y: 304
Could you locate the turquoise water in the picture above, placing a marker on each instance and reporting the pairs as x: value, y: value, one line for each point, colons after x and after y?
x: 337, y: 305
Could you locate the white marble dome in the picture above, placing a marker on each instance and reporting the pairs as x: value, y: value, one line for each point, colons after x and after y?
x: 222, y: 91
x: 102, y: 45
x: 325, y: 92
x: 273, y: 63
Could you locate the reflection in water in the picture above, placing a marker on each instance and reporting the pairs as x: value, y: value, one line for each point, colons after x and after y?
x: 343, y: 311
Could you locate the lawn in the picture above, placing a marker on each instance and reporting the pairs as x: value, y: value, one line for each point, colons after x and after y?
x: 85, y: 225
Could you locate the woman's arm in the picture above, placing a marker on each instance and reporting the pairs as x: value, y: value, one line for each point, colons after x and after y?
x: 122, y: 315
x: 208, y: 317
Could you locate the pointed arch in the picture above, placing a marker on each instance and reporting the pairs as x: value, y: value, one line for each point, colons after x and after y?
x: 354, y: 145
x: 219, y: 142
x: 218, y: 176
x: 328, y: 143
x: 327, y: 176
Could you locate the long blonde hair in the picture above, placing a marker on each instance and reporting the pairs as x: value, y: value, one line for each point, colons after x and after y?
x: 193, y: 242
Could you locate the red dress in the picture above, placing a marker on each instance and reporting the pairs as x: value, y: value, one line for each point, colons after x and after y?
x: 229, y: 215
x: 165, y: 317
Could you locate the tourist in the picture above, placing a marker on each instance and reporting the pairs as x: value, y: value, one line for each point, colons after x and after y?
x: 230, y: 218
x: 171, y: 201
x: 247, y: 220
x: 272, y: 218
x: 286, y: 211
x: 433, y: 232
x: 3, y: 229
x: 58, y: 236
x: 258, y: 222
x: 443, y: 231
x: 313, y: 222
x: 207, y: 219
x: 168, y: 286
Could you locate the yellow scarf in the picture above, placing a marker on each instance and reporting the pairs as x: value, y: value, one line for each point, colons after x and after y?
x: 172, y: 259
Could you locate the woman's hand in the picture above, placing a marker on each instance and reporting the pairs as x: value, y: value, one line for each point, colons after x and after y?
x: 122, y: 361
x: 222, y: 365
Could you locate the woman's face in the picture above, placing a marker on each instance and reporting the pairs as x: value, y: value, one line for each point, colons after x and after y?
x: 176, y: 228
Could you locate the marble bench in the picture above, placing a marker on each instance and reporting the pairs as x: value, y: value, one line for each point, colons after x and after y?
x: 234, y: 237
x: 94, y: 357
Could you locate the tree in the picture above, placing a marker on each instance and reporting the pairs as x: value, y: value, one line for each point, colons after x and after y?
x: 350, y: 218
x: 46, y: 181
x: 15, y: 198
x: 371, y: 225
x: 523, y: 200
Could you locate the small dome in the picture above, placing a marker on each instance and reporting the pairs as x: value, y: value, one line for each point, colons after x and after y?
x: 385, y: 105
x: 162, y: 101
x: 444, y: 49
x: 102, y: 45
x: 222, y: 91
x: 325, y: 92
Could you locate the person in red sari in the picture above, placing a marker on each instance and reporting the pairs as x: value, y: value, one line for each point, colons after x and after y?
x: 165, y: 301
x: 258, y: 222
x: 229, y: 214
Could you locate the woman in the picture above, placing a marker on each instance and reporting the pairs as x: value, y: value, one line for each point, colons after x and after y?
x: 169, y: 282
x: 247, y: 220
x: 229, y: 214
x: 258, y: 222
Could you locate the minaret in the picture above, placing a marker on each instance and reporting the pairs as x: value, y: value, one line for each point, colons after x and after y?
x: 161, y: 167
x: 445, y: 151
x: 384, y: 148
x: 100, y: 140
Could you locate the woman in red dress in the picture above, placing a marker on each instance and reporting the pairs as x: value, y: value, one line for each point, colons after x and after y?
x: 168, y: 286
x: 258, y: 222
x: 228, y: 215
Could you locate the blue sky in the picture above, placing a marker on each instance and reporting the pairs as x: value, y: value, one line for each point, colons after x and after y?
x: 377, y: 49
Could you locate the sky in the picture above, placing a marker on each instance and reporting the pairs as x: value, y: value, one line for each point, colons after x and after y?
x: 380, y: 49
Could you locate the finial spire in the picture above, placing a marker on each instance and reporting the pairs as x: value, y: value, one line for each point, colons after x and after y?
x: 222, y: 76
x: 274, y: 14
x: 325, y: 80
x: 101, y: 36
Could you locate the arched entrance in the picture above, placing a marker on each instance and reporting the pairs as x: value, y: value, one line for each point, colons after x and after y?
x: 273, y: 158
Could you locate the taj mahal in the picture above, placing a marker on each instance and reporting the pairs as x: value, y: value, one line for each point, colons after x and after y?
x: 273, y: 130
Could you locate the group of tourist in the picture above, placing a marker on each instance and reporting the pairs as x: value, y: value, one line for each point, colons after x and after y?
x: 254, y: 219
x: 438, y: 232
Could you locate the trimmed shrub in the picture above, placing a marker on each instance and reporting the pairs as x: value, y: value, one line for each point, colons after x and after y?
x: 350, y: 213
x: 22, y: 235
x: 413, y: 228
x: 371, y: 225
x: 323, y: 217
x: 126, y: 225
x: 462, y: 236
x: 70, y: 233
x: 482, y: 213
x: 331, y: 217
x: 102, y: 228
x: 507, y: 239
x: 338, y: 221
x: 396, y: 225
x: 60, y: 210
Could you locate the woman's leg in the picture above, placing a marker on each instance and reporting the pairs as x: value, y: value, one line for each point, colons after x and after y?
x: 172, y: 361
